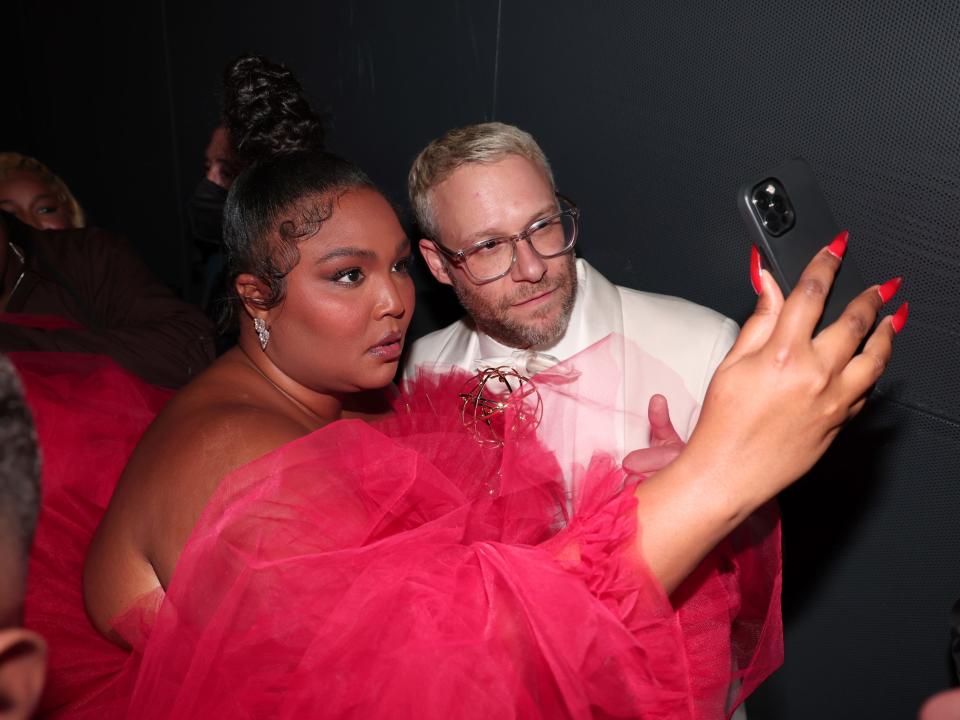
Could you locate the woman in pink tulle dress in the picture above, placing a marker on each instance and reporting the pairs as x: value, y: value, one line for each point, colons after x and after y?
x: 267, y: 553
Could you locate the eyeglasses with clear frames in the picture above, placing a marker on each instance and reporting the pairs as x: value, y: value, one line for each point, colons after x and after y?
x: 491, y: 259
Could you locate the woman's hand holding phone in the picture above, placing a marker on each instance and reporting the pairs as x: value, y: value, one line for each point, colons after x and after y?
x: 774, y: 405
x: 782, y: 394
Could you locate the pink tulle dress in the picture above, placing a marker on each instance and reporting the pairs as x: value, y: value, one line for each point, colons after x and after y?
x: 395, y: 570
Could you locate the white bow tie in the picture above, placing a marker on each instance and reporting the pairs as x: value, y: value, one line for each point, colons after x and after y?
x: 525, y: 362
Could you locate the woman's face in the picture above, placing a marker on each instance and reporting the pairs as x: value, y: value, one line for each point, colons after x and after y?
x: 24, y: 194
x: 348, y: 302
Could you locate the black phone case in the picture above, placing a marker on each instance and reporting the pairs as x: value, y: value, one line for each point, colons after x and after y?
x: 788, y: 254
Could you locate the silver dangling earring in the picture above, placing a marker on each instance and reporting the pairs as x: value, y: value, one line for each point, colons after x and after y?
x: 263, y: 332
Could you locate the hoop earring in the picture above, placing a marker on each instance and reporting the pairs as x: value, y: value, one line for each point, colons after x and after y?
x: 263, y: 332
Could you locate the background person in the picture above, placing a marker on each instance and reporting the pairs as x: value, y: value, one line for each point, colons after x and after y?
x: 265, y: 111
x: 69, y: 288
x: 35, y: 195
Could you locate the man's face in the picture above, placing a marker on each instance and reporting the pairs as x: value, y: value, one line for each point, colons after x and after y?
x: 218, y: 158
x: 531, y: 304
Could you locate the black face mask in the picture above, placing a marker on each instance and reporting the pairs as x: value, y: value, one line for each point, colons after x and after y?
x: 205, y: 211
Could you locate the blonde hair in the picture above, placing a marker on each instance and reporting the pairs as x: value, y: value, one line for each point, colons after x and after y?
x: 481, y: 143
x: 11, y: 161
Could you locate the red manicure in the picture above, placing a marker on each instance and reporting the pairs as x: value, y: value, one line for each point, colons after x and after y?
x: 900, y: 317
x: 755, y: 267
x: 889, y: 289
x: 839, y: 245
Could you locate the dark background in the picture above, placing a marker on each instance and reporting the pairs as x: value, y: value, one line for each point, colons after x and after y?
x: 652, y: 114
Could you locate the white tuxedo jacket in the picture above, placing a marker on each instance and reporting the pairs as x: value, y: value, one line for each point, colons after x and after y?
x: 681, y: 343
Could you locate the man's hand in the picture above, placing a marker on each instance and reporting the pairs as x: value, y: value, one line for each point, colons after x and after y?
x: 665, y: 442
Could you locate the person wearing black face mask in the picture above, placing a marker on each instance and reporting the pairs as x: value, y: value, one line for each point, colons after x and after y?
x: 205, y: 213
x: 205, y: 208
x: 265, y: 113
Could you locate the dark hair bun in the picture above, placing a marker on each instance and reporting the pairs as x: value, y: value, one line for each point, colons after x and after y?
x: 266, y: 111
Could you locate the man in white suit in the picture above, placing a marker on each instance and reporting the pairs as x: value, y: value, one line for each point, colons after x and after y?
x: 498, y: 233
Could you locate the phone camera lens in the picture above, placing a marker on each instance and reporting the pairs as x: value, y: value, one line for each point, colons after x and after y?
x: 772, y: 207
x: 772, y: 221
x: 766, y: 197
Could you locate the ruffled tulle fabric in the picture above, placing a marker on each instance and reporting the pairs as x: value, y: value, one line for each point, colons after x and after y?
x: 89, y: 414
x: 402, y: 570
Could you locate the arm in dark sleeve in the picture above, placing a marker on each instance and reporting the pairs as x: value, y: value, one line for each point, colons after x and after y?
x: 126, y: 312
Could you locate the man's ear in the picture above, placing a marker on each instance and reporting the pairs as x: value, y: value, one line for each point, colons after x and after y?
x: 435, y: 261
x: 253, y: 293
x: 23, y: 668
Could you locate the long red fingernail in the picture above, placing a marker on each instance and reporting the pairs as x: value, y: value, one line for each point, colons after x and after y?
x: 899, y: 318
x: 839, y: 245
x: 756, y: 264
x: 889, y: 289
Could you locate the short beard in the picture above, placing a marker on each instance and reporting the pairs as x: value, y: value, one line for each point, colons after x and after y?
x: 495, y: 321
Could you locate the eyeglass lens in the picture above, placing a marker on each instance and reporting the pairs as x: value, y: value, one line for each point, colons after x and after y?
x: 494, y: 257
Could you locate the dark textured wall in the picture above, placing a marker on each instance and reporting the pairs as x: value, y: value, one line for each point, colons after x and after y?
x: 652, y: 114
x: 90, y: 96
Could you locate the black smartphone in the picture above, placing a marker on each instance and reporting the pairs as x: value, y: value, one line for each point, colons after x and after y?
x: 789, y: 220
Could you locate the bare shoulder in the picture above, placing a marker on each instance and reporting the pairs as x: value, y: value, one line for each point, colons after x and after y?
x: 213, y: 427
x: 220, y: 422
x: 209, y: 434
